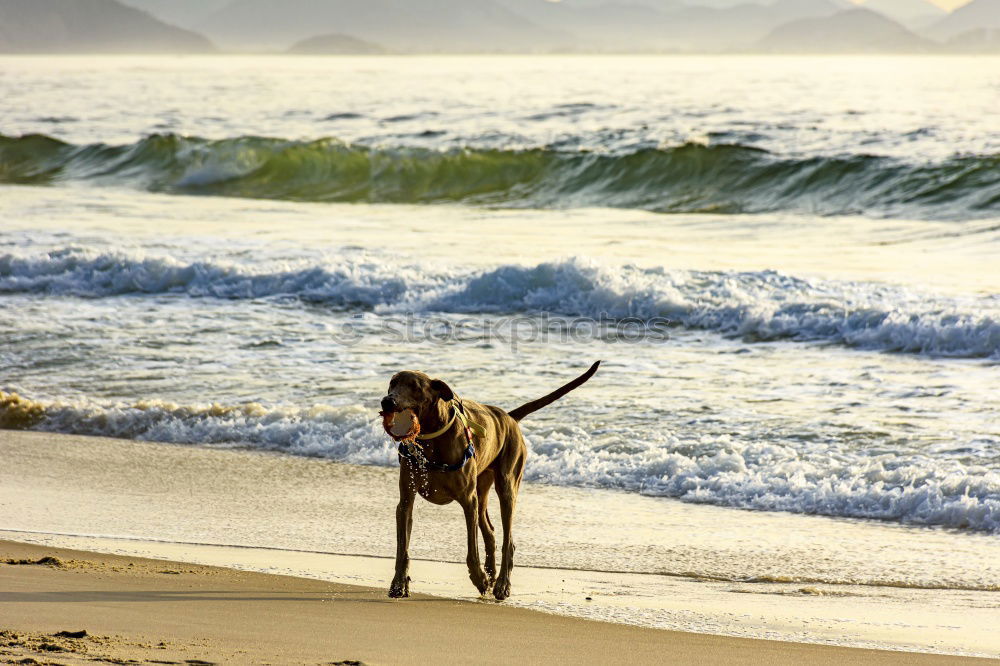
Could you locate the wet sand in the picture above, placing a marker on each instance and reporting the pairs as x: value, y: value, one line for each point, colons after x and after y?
x: 153, y: 611
x: 331, y: 523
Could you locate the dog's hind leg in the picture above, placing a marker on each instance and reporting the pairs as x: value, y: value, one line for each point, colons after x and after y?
x: 508, y: 482
x: 470, y: 504
x: 483, y: 485
x: 404, y: 523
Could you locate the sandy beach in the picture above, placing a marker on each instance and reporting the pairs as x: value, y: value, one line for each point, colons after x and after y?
x: 184, y: 545
x: 154, y: 611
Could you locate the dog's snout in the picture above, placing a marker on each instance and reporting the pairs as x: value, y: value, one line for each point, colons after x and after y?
x: 389, y: 404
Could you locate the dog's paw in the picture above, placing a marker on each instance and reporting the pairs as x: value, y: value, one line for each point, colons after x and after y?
x: 502, y: 589
x: 480, y: 580
x: 400, y: 588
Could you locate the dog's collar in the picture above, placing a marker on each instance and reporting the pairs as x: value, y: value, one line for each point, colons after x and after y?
x: 409, y: 450
x: 457, y: 412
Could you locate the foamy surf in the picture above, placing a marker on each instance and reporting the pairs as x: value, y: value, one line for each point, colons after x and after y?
x: 754, y: 306
x: 913, y: 488
x: 342, y: 433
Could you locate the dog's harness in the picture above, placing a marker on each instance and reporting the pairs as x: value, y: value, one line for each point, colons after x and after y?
x: 416, y: 457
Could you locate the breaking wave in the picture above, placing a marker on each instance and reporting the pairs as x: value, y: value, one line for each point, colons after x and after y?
x: 755, y: 306
x: 909, y: 488
x: 688, y: 178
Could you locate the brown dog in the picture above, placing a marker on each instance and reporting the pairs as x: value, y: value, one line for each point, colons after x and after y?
x: 464, y: 449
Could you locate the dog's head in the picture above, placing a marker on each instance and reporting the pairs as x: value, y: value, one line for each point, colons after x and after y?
x: 415, y: 390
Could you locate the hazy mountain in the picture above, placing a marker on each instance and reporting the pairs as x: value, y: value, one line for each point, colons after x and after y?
x: 980, y: 40
x: 661, y: 25
x: 599, y: 26
x: 370, y: 26
x: 184, y: 13
x: 400, y: 25
x: 851, y: 31
x: 741, y: 26
x: 914, y: 14
x: 89, y: 26
x: 977, y: 14
x: 335, y: 44
x: 668, y: 5
x: 656, y: 5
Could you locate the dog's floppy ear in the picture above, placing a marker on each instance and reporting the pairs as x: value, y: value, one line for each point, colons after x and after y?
x: 443, y: 390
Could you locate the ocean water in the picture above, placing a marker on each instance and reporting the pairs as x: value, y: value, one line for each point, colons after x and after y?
x: 789, y: 266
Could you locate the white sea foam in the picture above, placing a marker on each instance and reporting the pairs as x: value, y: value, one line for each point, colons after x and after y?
x: 757, y: 306
x: 909, y: 488
x: 87, y: 274
x: 349, y: 433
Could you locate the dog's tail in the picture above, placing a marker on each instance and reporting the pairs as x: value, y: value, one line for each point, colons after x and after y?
x: 535, y: 405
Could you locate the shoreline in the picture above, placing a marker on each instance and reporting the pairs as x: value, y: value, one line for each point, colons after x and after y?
x: 159, y: 611
x: 264, y: 512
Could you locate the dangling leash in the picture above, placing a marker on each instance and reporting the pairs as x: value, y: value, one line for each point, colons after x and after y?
x: 412, y: 453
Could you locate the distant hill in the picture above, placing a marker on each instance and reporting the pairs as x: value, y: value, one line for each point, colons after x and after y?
x: 516, y: 26
x: 914, y: 14
x: 665, y: 25
x: 973, y: 16
x: 659, y: 5
x: 600, y: 26
x: 851, y: 31
x: 420, y: 26
x: 335, y: 44
x: 89, y: 26
x: 741, y: 26
x: 184, y: 13
x: 981, y: 40
x: 503, y: 26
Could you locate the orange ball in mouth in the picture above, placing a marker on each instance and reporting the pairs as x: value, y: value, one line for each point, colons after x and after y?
x: 401, y: 426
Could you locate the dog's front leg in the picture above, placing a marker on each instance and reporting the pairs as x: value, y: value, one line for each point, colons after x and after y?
x: 470, y: 504
x: 507, y: 487
x: 404, y: 522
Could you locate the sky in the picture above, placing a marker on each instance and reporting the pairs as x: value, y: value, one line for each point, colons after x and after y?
x: 949, y: 5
